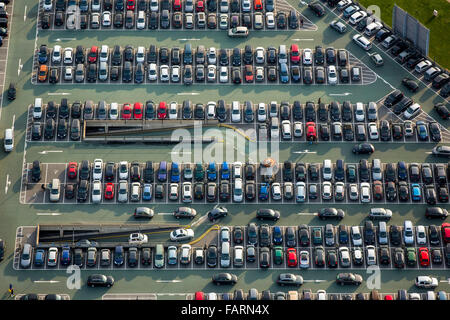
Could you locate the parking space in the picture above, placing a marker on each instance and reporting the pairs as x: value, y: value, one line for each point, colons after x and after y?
x: 217, y: 185
x: 153, y: 19
x: 309, y: 249
x: 165, y: 65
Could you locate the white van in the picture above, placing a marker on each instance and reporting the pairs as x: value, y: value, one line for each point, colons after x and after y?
x: 373, y: 28
x: 55, y: 192
x: 37, y: 108
x: 8, y: 141
x: 238, y: 259
x: 237, y: 191
x: 282, y: 54
x: 382, y: 233
x: 225, y: 255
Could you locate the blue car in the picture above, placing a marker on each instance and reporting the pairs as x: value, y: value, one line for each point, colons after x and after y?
x: 402, y: 171
x: 39, y: 258
x: 118, y: 256
x: 65, y: 256
x: 225, y: 174
x: 147, y: 192
x: 175, y: 172
x: 43, y: 54
x: 162, y: 171
x: 284, y: 73
x: 277, y: 236
x: 264, y: 192
x: 422, y: 130
x: 416, y: 193
x: 350, y: 10
x: 211, y: 172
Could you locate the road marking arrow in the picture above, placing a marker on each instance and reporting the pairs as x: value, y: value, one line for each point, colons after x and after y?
x: 340, y: 94
x: 46, y: 281
x: 48, y: 214
x: 59, y: 93
x: 169, y: 281
x: 50, y: 151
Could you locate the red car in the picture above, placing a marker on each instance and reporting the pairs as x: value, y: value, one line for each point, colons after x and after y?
x: 126, y: 111
x: 199, y: 295
x: 200, y: 6
x: 291, y: 257
x: 258, y: 5
x: 295, y: 54
x: 72, y: 170
x: 162, y: 110
x: 92, y: 55
x: 445, y: 229
x: 248, y: 73
x: 176, y: 5
x: 311, y: 132
x: 424, y: 257
x: 388, y: 297
x: 109, y: 191
x: 137, y: 110
x: 131, y: 4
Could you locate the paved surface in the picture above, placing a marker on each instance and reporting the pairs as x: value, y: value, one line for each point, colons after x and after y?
x: 15, y: 214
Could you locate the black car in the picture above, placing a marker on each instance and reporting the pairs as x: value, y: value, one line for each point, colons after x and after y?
x: 281, y: 20
x: 127, y: 74
x: 303, y: 235
x: 293, y: 20
x: 434, y: 235
x: 36, y: 171
x: 395, y: 235
x: 393, y: 98
x: 316, y: 8
x: 267, y: 214
x: 83, y: 191
x: 410, y: 84
x: 436, y: 212
x: 363, y: 148
x: 211, y: 256
x: 199, y: 111
x: 348, y: 278
x: 236, y: 75
x: 217, y: 213
x: 264, y: 257
x: 322, y: 112
x: 224, y: 278
x: 369, y: 233
x: 442, y: 110
x: 100, y: 280
x: 49, y: 129
x: 61, y: 130
x: 118, y: 20
x: 435, y: 131
x: 319, y: 55
x: 330, y: 55
x: 331, y: 213
x: 92, y: 72
x: 399, y: 258
x: 402, y: 105
x: 53, y: 76
x: 250, y: 191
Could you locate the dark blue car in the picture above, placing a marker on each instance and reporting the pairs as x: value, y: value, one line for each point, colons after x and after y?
x: 39, y: 257
x: 225, y: 174
x: 66, y: 256
x: 118, y: 256
x: 211, y: 171
x: 264, y: 192
x: 162, y: 171
x: 402, y: 171
x: 175, y: 172
x: 277, y: 236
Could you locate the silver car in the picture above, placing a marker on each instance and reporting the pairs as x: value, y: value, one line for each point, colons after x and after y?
x: 135, y: 191
x: 123, y: 191
x: 103, y: 71
x: 344, y: 257
x: 79, y: 73
x: 353, y: 192
x: 172, y: 255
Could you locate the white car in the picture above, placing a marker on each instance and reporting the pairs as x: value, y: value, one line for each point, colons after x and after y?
x: 357, y: 17
x: 152, y: 72
x: 68, y: 56
x: 56, y: 54
x: 164, y: 73
x: 140, y: 20
x: 298, y: 129
x: 262, y: 112
x: 362, y: 41
x: 181, y: 234
x: 185, y: 254
x: 332, y: 75
x: 154, y: 5
x: 225, y: 234
x: 304, y: 259
x: 173, y: 191
x: 189, y: 6
x: 48, y: 5
x: 353, y: 192
x: 96, y: 191
x: 308, y: 56
x: 95, y: 6
x: 246, y: 6
x: 211, y: 110
x: 339, y: 191
x: 186, y: 192
x: 235, y: 112
x: 176, y: 71
x: 327, y: 192
x: 52, y: 259
x: 223, y: 74
x: 373, y: 131
x: 68, y: 73
x: 371, y: 255
x: 321, y: 295
x: 259, y: 74
x: 409, y: 128
x: 173, y: 110
x: 343, y: 3
x: 412, y: 111
x: 104, y: 52
x: 122, y: 193
x: 212, y: 55
x: 358, y: 255
x: 138, y: 238
x: 114, y: 111
x: 426, y: 282
x: 344, y: 257
x: 106, y: 19
x: 270, y: 20
x: 275, y: 128
x: 223, y: 21
x: 140, y: 55
x: 237, y: 170
x: 123, y: 170
x: 211, y: 74
x: 360, y: 115
x: 135, y: 191
x: 421, y: 235
x: 259, y: 55
x: 355, y: 234
x: 365, y: 192
x: 300, y: 191
x: 327, y: 169
x: 97, y: 171
x: 276, y: 191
